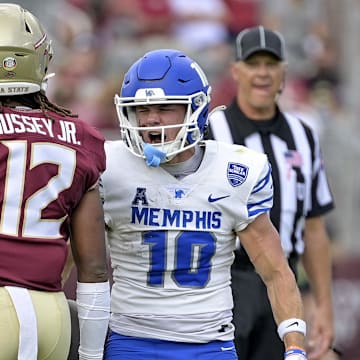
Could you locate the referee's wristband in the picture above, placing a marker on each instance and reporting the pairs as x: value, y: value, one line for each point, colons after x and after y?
x: 291, y: 325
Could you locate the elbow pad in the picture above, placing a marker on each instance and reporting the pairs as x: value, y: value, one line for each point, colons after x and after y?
x: 93, y: 306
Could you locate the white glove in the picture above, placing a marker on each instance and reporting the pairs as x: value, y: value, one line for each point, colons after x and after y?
x: 295, y: 354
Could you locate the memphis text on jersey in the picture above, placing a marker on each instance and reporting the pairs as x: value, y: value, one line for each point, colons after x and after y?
x: 17, y: 124
x: 164, y: 217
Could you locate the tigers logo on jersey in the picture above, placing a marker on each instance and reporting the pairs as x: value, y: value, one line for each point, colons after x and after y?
x: 179, y: 193
x: 236, y: 173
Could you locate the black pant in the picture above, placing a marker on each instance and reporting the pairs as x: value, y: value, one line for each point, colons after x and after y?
x: 256, y: 335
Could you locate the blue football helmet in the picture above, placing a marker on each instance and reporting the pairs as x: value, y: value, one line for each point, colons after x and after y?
x: 162, y: 77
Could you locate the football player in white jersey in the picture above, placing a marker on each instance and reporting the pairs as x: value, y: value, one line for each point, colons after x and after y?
x: 174, y: 205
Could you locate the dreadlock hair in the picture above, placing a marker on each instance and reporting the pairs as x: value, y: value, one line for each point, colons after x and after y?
x: 36, y: 100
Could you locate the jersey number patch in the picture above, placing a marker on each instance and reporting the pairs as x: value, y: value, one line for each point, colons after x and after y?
x: 15, y: 205
x: 192, y: 259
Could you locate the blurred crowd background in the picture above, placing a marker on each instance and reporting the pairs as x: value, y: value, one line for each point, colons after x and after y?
x: 95, y: 41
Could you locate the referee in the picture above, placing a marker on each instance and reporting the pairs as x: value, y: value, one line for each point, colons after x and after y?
x: 301, y: 195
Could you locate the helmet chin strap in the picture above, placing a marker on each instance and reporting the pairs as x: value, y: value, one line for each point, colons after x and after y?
x: 153, y: 155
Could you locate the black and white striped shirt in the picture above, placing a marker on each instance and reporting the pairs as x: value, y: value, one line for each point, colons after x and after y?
x: 301, y: 188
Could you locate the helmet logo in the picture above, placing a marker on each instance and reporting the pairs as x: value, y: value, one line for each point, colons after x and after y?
x: 149, y: 92
x: 9, y: 64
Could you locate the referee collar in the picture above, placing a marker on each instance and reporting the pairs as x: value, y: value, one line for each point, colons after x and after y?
x: 246, y: 126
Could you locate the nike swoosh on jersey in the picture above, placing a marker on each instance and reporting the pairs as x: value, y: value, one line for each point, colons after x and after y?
x: 227, y: 348
x: 213, y: 199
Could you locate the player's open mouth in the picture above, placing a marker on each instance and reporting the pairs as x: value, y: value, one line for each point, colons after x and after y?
x: 155, y: 137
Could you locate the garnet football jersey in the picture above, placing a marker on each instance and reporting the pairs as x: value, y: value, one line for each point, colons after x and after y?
x: 47, y: 163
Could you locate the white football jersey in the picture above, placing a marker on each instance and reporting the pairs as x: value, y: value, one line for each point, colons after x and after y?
x: 172, y: 241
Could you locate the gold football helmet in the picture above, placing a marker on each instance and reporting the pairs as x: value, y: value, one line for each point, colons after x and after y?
x: 25, y: 52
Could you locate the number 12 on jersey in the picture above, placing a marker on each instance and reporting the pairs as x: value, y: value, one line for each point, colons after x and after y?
x: 15, y: 204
